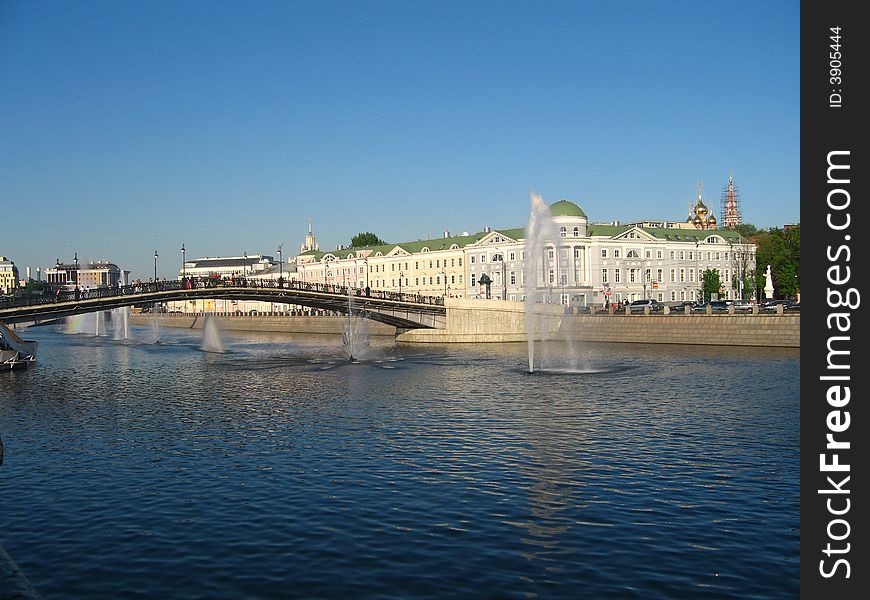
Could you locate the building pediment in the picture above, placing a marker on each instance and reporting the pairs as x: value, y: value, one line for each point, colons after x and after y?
x: 494, y: 238
x: 398, y: 251
x: 635, y: 233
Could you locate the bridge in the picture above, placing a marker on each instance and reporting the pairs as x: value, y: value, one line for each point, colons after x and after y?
x: 403, y: 311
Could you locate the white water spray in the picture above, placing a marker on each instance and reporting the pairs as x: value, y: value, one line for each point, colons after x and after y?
x: 211, y: 336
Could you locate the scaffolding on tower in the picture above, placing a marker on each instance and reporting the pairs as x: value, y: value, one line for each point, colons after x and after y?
x: 730, y: 204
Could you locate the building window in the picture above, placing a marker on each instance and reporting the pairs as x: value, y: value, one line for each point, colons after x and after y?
x: 550, y: 253
x: 473, y: 276
x: 682, y: 275
x: 659, y: 274
x: 604, y: 253
x: 604, y: 278
x: 617, y: 275
x: 616, y: 253
x: 513, y: 278
x: 576, y: 232
x: 673, y: 295
x: 682, y: 255
x: 659, y: 254
x: 551, y: 277
x: 472, y: 259
x: 512, y: 256
x: 648, y: 254
x: 460, y: 261
x: 631, y: 276
x: 672, y: 255
x: 717, y: 256
x: 563, y: 232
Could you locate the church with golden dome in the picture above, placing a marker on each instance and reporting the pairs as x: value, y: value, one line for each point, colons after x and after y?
x: 700, y: 216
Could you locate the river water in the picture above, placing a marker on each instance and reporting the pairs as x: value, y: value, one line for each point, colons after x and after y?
x: 279, y: 470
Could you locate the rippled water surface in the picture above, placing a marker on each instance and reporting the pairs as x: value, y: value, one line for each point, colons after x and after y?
x: 279, y: 470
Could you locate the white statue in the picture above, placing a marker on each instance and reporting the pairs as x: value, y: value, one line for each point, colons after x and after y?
x: 768, y: 285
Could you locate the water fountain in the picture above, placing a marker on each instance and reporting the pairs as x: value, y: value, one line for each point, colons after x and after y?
x: 356, y: 337
x: 211, y: 336
x: 74, y: 324
x: 155, y: 322
x: 540, y: 230
x: 121, y: 322
x: 541, y: 319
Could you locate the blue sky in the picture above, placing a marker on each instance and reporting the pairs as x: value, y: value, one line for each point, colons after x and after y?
x: 128, y: 126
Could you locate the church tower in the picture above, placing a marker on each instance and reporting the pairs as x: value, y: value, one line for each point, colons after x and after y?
x: 310, y: 242
x: 730, y: 204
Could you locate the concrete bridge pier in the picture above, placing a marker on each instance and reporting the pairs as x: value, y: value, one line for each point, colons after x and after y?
x: 472, y: 320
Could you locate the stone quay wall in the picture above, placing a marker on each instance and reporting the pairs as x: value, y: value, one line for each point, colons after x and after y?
x: 320, y: 324
x: 484, y: 321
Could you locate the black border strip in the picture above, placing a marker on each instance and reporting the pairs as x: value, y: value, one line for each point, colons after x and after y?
x: 834, y: 558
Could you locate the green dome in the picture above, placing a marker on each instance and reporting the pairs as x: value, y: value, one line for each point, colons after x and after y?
x: 563, y: 208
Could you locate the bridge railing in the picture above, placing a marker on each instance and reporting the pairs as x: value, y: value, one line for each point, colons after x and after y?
x: 189, y: 283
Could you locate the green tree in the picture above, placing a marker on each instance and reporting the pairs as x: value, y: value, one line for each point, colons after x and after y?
x: 711, y: 284
x: 366, y: 239
x: 781, y: 249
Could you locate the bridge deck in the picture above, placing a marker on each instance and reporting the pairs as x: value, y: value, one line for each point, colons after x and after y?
x: 405, y: 311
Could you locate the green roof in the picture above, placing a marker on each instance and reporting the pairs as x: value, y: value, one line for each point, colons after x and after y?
x: 563, y: 208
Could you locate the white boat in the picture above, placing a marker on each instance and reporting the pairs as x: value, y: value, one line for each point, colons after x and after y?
x: 15, y: 353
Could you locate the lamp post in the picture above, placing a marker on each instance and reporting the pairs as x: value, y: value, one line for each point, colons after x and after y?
x: 245, y: 265
x: 400, y: 282
x: 183, y: 261
x: 77, y: 278
x: 155, y: 266
x: 280, y: 266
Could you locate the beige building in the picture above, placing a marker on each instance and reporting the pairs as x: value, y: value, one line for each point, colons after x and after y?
x: 585, y: 264
x: 8, y: 276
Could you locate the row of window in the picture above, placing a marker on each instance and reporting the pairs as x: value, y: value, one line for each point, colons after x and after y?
x: 692, y: 255
x: 634, y: 275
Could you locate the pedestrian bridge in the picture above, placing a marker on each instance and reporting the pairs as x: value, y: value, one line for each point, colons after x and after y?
x: 403, y: 311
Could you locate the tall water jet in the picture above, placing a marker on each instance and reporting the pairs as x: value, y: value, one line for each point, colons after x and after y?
x: 211, y: 336
x: 539, y: 232
x: 99, y: 323
x: 356, y: 335
x: 74, y: 324
x: 120, y: 323
x: 155, y: 322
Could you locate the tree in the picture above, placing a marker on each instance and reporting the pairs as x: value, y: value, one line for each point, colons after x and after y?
x: 711, y: 283
x: 779, y: 248
x: 366, y: 239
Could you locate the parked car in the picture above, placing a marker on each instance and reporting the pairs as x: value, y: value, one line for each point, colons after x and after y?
x: 741, y: 305
x: 717, y: 306
x: 770, y: 305
x: 638, y: 306
x: 679, y: 308
x: 792, y: 307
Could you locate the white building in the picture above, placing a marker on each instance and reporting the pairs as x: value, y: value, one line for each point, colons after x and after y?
x: 635, y: 260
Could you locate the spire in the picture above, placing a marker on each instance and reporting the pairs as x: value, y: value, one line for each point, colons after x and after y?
x: 309, y: 225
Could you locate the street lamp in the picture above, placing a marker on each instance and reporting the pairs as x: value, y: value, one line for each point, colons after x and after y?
x: 155, y: 266
x: 183, y: 261
x: 245, y: 265
x: 400, y: 282
x: 280, y: 266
